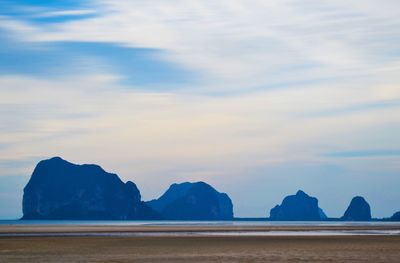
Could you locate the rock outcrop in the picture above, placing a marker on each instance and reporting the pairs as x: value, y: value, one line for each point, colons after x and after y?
x: 59, y: 189
x: 299, y: 207
x: 358, y: 210
x: 395, y: 217
x: 322, y: 214
x: 193, y: 201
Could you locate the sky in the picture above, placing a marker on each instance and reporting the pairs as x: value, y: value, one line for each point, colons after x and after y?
x: 258, y: 98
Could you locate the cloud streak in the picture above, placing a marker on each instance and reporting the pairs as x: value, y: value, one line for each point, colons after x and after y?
x: 365, y: 154
x: 135, y: 66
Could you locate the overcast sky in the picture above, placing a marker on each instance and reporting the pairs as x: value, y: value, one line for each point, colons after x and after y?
x: 258, y: 98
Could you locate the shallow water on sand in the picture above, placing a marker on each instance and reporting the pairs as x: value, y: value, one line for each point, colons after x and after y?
x: 213, y: 233
x: 195, y: 228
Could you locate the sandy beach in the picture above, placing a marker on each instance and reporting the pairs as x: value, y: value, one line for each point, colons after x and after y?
x: 186, y: 248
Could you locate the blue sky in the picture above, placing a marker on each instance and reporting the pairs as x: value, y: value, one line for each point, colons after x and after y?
x: 269, y: 96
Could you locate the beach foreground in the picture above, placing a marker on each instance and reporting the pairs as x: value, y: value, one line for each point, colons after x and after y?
x: 196, y: 248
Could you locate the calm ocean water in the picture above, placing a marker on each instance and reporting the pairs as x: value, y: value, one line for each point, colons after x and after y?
x: 192, y: 223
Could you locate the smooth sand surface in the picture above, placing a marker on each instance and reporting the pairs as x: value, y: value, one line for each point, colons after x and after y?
x: 201, y: 249
x: 194, y: 248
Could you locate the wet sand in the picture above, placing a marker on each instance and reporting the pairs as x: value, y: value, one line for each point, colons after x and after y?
x: 205, y: 248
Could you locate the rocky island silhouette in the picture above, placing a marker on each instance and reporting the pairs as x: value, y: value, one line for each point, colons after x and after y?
x: 59, y: 190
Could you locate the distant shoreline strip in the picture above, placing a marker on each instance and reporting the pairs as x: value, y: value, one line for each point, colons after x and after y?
x: 211, y: 233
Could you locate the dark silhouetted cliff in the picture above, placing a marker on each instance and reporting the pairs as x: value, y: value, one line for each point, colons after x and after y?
x: 299, y: 207
x: 193, y: 201
x: 395, y: 217
x: 58, y: 189
x: 358, y: 210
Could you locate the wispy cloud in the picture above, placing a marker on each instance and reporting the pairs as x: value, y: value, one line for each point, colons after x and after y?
x: 237, y: 43
x: 240, y: 45
x: 365, y: 153
x: 135, y: 66
x: 356, y: 108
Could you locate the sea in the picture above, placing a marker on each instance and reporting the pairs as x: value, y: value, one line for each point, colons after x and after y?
x: 393, y: 228
x: 195, y: 223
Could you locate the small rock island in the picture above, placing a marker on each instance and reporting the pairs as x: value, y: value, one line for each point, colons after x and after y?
x: 193, y: 201
x: 358, y: 210
x: 298, y: 207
